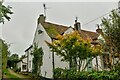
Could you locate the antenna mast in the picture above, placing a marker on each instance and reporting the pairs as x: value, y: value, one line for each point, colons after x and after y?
x: 76, y: 18
x: 44, y: 9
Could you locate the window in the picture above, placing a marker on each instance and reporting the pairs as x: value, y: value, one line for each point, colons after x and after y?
x: 24, y: 67
x: 40, y: 31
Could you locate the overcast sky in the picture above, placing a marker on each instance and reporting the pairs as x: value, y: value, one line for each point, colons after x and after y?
x: 19, y: 31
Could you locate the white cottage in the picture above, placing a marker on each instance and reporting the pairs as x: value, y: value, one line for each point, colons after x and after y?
x: 29, y: 58
x: 22, y: 65
x: 47, y: 31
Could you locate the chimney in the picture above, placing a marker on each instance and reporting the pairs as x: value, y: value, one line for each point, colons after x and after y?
x: 41, y: 19
x: 98, y: 30
x: 77, y: 25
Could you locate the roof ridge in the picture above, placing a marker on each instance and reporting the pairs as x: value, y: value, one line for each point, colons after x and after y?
x: 88, y: 31
x: 56, y: 24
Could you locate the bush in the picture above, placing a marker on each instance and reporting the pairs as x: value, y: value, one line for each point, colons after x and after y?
x: 66, y: 74
x: 17, y: 69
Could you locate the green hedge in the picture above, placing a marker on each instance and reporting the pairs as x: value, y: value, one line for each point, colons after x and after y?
x: 64, y: 74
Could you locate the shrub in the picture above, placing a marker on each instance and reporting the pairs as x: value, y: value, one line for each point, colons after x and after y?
x: 66, y: 74
x: 17, y: 69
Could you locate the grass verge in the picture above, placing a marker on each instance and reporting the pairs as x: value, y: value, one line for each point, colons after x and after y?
x: 10, y: 76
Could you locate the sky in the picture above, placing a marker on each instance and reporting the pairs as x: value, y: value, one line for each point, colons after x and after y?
x: 19, y: 31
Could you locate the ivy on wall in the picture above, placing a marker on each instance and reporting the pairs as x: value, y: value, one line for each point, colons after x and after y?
x: 37, y: 60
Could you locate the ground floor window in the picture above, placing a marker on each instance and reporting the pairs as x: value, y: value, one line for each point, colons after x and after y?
x: 24, y: 67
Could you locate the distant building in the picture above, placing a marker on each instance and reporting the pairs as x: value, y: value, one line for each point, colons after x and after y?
x: 22, y: 65
x: 29, y: 58
x: 47, y: 31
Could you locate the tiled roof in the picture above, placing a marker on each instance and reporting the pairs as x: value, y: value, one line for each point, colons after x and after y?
x: 54, y: 29
x: 85, y: 34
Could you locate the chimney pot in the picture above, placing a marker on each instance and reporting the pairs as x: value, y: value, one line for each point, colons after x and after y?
x: 77, y: 26
x: 98, y: 30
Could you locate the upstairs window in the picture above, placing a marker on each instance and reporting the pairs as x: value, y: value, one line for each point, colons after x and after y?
x: 40, y: 31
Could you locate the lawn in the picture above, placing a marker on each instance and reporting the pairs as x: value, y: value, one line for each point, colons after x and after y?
x: 10, y: 76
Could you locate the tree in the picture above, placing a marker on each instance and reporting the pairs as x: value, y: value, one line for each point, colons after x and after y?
x: 111, y: 32
x: 12, y: 60
x: 4, y: 12
x: 4, y: 53
x: 73, y: 49
x: 22, y: 57
x: 37, y: 60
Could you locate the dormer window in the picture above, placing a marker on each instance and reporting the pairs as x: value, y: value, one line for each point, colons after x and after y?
x: 40, y: 31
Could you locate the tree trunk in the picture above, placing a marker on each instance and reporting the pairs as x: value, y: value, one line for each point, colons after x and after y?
x: 75, y: 63
x: 70, y: 63
x: 97, y: 63
x: 83, y: 61
x: 79, y: 66
x: 87, y: 64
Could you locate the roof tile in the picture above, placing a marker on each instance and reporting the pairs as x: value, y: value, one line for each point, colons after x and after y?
x: 54, y: 30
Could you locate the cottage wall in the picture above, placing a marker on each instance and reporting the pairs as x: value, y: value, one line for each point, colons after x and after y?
x: 29, y: 60
x: 39, y: 39
x: 19, y: 65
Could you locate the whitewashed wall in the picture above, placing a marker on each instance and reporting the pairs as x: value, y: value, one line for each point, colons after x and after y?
x: 19, y: 65
x: 47, y: 57
x: 23, y: 62
x: 30, y: 63
x: 30, y: 58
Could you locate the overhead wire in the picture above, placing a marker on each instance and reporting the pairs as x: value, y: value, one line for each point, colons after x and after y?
x: 98, y: 18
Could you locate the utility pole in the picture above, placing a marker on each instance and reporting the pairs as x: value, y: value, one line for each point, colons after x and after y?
x: 1, y: 75
x: 119, y: 7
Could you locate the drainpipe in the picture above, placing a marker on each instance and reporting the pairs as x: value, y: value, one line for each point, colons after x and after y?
x: 119, y: 7
x: 97, y: 63
x: 53, y: 63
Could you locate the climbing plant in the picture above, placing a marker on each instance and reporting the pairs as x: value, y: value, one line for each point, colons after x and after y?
x: 37, y: 60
